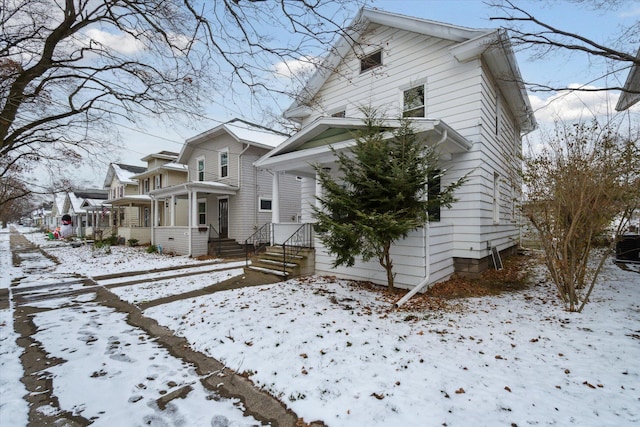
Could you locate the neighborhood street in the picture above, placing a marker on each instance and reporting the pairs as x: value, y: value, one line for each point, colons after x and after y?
x: 108, y: 343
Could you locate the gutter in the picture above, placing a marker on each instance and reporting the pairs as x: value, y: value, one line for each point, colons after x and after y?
x: 427, y: 260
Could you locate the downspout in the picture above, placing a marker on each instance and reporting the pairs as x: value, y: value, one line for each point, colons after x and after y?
x: 427, y: 260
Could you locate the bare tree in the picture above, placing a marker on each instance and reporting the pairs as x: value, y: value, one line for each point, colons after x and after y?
x: 70, y: 69
x: 542, y: 38
x: 585, y: 180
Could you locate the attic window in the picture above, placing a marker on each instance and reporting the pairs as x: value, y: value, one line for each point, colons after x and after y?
x: 371, y: 61
x: 339, y: 114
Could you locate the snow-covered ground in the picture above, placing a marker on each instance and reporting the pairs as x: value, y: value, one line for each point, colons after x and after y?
x: 334, y: 352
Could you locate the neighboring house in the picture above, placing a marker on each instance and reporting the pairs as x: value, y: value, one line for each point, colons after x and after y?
x: 57, y: 205
x: 127, y: 205
x: 461, y: 88
x: 225, y: 196
x: 161, y: 171
x: 75, y: 204
x: 632, y: 84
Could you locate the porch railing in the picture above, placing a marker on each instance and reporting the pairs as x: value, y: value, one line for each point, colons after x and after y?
x: 258, y: 241
x: 302, y: 238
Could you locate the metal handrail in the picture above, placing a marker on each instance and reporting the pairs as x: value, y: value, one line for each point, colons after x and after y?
x: 259, y: 240
x: 300, y: 239
x: 216, y: 239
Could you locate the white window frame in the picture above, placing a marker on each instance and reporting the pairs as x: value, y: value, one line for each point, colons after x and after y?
x: 220, y: 165
x: 266, y: 199
x: 158, y: 181
x: 374, y: 65
x: 424, y: 100
x: 200, y: 203
x: 200, y: 174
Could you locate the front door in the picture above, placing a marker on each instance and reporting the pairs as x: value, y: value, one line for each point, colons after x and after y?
x: 223, y: 218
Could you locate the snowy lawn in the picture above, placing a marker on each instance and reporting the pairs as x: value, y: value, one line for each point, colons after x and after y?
x: 333, y: 351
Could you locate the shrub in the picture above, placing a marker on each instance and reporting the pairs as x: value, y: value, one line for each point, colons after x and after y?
x: 132, y: 242
x: 152, y: 249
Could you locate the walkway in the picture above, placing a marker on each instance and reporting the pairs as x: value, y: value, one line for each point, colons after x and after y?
x: 47, y: 304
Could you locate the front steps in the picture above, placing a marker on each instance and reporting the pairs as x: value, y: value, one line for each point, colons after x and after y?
x: 271, y: 262
x: 226, y: 248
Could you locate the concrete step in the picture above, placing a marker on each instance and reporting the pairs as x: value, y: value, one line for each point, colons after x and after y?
x: 268, y: 271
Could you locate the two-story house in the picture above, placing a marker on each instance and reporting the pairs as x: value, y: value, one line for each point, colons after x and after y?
x: 161, y: 171
x: 226, y: 197
x: 461, y: 88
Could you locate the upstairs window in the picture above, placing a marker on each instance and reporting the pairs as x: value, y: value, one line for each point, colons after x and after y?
x: 339, y: 114
x: 158, y: 181
x: 224, y: 164
x: 413, y: 102
x: 145, y: 186
x: 200, y: 163
x: 371, y: 61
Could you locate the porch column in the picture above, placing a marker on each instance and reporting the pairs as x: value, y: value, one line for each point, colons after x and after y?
x: 157, y: 212
x: 172, y: 209
x: 193, y: 217
x: 275, y: 199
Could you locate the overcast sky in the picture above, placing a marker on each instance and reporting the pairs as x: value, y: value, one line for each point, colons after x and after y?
x: 599, y: 25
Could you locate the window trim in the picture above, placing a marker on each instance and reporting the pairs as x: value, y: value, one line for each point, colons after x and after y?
x: 373, y: 62
x: 220, y: 165
x: 265, y: 199
x: 424, y: 100
x: 202, y: 202
x: 200, y: 174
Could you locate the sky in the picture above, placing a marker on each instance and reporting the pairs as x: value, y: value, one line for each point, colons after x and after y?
x: 601, y: 25
x: 329, y: 350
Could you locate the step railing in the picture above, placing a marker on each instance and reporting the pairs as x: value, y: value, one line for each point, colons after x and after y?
x: 302, y: 238
x: 214, y: 237
x: 258, y: 241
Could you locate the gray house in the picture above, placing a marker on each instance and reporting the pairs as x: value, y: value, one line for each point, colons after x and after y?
x: 225, y: 198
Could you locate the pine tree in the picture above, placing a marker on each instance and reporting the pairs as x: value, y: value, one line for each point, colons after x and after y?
x: 385, y: 190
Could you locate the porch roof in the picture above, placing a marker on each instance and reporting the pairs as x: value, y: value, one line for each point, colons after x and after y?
x: 209, y: 187
x: 313, y: 144
x: 138, y: 199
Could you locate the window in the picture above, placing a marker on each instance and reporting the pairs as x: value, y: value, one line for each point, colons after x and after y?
x: 265, y: 205
x: 145, y: 186
x: 339, y: 114
x: 413, y: 102
x: 200, y: 167
x: 145, y: 216
x: 121, y: 191
x: 202, y: 212
x: 371, y: 61
x: 158, y: 181
x: 433, y: 193
x: 224, y: 164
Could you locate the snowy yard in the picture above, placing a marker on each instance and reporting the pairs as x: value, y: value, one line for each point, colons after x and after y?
x: 334, y: 351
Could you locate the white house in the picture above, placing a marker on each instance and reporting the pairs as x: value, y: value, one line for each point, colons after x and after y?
x: 225, y: 197
x: 462, y: 89
x: 127, y: 206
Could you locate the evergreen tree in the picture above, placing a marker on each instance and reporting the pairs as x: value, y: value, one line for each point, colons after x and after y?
x: 385, y: 190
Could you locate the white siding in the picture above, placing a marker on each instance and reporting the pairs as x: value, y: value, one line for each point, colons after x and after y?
x: 409, y: 260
